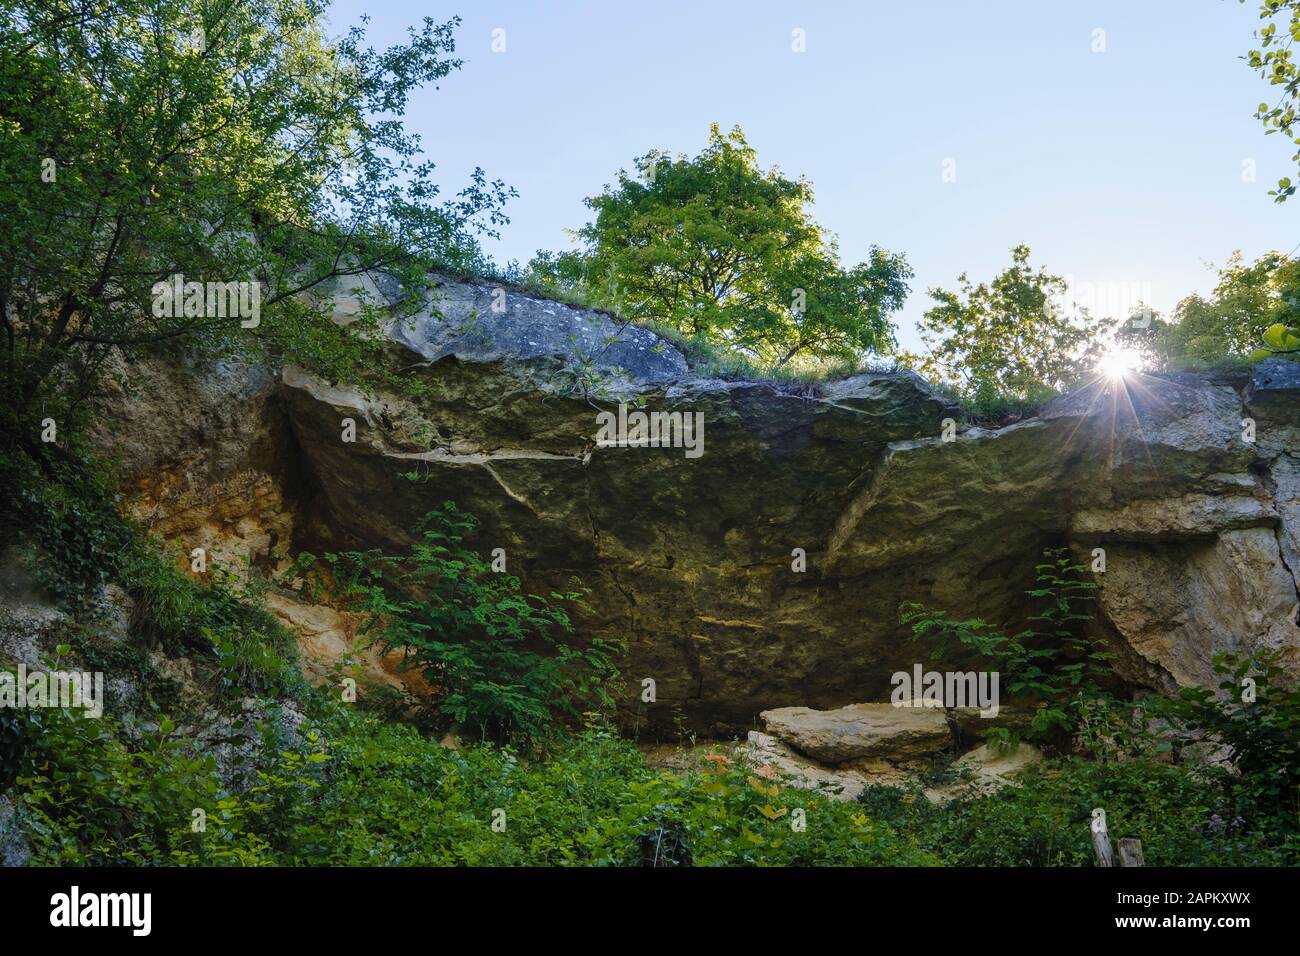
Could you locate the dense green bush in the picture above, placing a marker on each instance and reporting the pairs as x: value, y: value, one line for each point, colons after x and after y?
x: 383, y: 794
x: 1182, y: 817
x: 1256, y: 720
x: 68, y: 520
x: 393, y: 797
x: 93, y: 792
x: 367, y: 792
x: 494, y: 653
x: 1050, y: 665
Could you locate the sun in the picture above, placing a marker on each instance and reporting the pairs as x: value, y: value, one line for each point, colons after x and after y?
x: 1118, y: 362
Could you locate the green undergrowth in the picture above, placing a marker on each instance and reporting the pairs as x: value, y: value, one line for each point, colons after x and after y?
x: 69, y: 530
x: 342, y: 785
x: 711, y: 359
x: 1184, y: 817
x: 357, y: 791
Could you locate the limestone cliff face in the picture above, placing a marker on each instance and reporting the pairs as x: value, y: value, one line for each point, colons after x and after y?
x: 690, y: 558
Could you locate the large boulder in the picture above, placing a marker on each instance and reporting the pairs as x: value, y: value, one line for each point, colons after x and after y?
x: 860, y: 731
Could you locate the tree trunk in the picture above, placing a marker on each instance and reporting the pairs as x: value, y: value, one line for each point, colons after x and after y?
x: 1130, y: 852
x: 1101, y: 839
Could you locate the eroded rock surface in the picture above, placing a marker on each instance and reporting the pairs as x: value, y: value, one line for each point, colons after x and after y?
x: 690, y: 559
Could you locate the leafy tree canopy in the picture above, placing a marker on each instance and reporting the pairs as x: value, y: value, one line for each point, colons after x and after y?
x: 1254, y: 312
x: 227, y: 141
x: 1009, y: 338
x: 715, y: 246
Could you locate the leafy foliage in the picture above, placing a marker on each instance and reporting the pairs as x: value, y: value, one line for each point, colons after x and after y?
x: 1050, y: 665
x: 1256, y: 720
x: 1182, y: 817
x: 1275, y: 62
x: 1253, y: 314
x: 714, y: 246
x: 594, y: 802
x: 492, y: 651
x: 361, y: 792
x: 1008, y: 339
x: 69, y: 516
x: 90, y: 797
x: 145, y: 139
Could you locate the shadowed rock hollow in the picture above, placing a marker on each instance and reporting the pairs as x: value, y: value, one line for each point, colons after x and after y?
x: 690, y: 559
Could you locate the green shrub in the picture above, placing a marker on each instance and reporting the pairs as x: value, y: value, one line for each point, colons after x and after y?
x: 69, y: 521
x: 1181, y: 816
x: 367, y: 792
x: 394, y: 797
x: 361, y: 791
x: 491, y: 650
x: 1257, y: 722
x: 1049, y: 665
x: 88, y: 797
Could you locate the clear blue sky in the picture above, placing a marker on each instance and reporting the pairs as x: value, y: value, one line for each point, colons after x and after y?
x: 1122, y: 167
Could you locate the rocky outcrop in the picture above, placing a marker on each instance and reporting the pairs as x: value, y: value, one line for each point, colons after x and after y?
x: 207, y: 458
x: 32, y: 626
x: 778, y: 760
x: 767, y: 572
x: 328, y: 639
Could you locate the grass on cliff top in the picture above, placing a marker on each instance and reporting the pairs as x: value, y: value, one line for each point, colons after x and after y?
x: 704, y: 358
x: 710, y: 359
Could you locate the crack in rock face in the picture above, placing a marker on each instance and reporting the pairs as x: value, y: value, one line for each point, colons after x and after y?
x: 692, y: 560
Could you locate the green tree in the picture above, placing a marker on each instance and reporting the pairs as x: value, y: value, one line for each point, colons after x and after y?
x: 1008, y: 339
x: 1274, y: 60
x: 1254, y: 312
x: 717, y: 247
x: 222, y: 141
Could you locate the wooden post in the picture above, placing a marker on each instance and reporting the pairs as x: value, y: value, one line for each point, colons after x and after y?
x: 1130, y: 852
x: 1101, y: 839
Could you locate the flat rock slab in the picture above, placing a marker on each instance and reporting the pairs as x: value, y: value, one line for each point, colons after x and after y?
x: 860, y: 731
